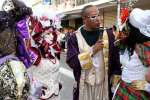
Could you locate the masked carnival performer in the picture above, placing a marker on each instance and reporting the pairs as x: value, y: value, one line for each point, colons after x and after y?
x: 92, y: 56
x: 46, y: 65
x: 135, y: 57
x: 14, y: 81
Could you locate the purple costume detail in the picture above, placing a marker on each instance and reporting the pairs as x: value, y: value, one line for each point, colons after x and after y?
x: 5, y: 58
x: 23, y: 29
x: 22, y: 52
x: 73, y: 62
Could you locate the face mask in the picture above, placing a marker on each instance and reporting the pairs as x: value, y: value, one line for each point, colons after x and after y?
x: 7, y: 5
x: 92, y: 18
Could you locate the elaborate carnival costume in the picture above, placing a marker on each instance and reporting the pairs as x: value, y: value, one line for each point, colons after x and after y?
x: 135, y: 57
x: 92, y: 72
x: 14, y: 81
x: 46, y: 68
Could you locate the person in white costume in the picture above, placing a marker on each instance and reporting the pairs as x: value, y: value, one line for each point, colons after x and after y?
x: 46, y: 70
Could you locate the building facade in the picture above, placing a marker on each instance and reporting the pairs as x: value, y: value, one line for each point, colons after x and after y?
x: 108, y: 11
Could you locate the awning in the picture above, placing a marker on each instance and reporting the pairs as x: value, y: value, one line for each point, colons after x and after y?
x: 99, y: 4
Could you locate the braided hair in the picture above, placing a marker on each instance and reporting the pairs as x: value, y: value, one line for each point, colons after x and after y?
x: 134, y: 37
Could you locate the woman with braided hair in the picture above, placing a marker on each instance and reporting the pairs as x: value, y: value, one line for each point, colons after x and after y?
x: 135, y: 57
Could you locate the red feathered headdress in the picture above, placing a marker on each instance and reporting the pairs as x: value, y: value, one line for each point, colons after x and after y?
x: 124, y: 14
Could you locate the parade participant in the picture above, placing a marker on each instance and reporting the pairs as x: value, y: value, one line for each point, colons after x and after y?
x: 90, y: 53
x: 135, y: 57
x: 14, y: 80
x: 46, y: 69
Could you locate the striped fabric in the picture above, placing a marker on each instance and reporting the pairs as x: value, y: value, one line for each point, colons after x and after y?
x: 126, y: 92
x: 143, y: 51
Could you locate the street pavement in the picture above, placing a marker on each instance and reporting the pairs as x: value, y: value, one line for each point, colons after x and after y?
x: 67, y: 79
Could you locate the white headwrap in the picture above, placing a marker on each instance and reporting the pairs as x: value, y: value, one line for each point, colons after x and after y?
x: 141, y: 19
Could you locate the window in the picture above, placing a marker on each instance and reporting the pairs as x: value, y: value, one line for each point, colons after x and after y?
x: 47, y: 2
